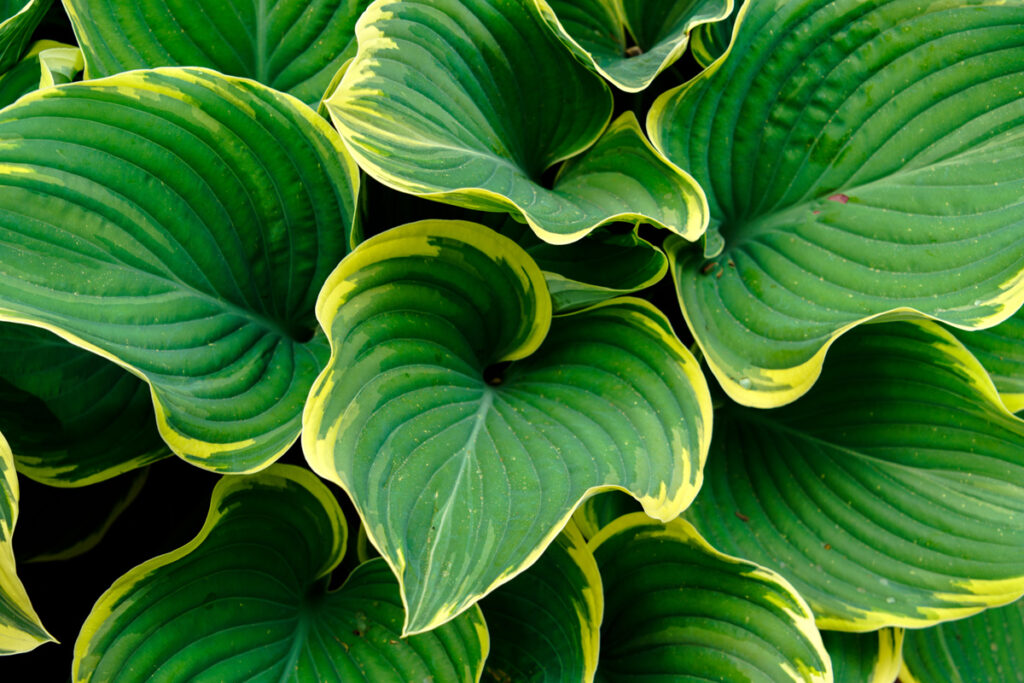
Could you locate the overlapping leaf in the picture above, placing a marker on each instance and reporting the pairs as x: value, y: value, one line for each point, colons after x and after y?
x: 710, y: 41
x: 158, y: 218
x: 892, y: 494
x: 295, y: 46
x: 865, y: 657
x: 986, y: 647
x: 1001, y: 350
x: 545, y: 623
x: 465, y: 471
x: 859, y: 158
x: 247, y: 599
x: 470, y: 102
x: 677, y: 609
x: 20, y: 628
x: 595, y: 31
x: 45, y: 63
x: 601, y: 266
x: 74, y: 418
x: 18, y: 19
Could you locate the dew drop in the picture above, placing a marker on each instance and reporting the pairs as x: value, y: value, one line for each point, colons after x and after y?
x: 745, y: 382
x: 884, y: 582
x: 890, y: 600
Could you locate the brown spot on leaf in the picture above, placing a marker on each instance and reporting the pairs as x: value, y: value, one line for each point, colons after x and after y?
x: 742, y: 517
x: 841, y: 198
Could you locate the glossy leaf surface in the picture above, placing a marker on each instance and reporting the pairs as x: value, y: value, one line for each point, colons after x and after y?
x: 180, y: 240
x: 629, y: 42
x: 892, y: 494
x: 464, y: 467
x: 74, y: 417
x: 470, y: 102
x: 20, y: 628
x: 545, y: 623
x: 986, y: 647
x: 294, y: 46
x: 247, y: 599
x: 859, y: 158
x: 676, y: 609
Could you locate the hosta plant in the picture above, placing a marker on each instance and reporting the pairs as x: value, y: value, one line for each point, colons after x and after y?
x: 511, y: 340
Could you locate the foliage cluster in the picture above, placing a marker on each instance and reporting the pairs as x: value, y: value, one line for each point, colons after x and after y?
x: 676, y: 340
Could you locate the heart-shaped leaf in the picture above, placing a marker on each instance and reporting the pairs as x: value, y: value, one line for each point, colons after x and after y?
x: 865, y: 657
x: 545, y: 623
x: 295, y: 46
x: 600, y: 266
x: 20, y: 628
x: 182, y: 239
x: 433, y: 104
x: 860, y: 159
x: 247, y: 599
x: 74, y: 418
x: 1001, y: 350
x: 595, y: 31
x: 18, y: 19
x: 986, y: 647
x: 891, y: 495
x: 677, y: 609
x: 464, y: 471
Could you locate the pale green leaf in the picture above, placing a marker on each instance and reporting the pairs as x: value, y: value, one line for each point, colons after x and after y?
x: 860, y: 158
x: 437, y: 445
x: 676, y: 609
x: 247, y: 600
x: 433, y: 105
x: 891, y: 495
x: 156, y: 218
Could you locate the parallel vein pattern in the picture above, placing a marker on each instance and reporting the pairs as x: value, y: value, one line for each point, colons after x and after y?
x: 292, y: 46
x: 679, y: 610
x: 247, y: 599
x: 157, y: 218
x: 891, y: 495
x: 1001, y: 350
x: 859, y: 158
x: 463, y: 477
x: 470, y: 102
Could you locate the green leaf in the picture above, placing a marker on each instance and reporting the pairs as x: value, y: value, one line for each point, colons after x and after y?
x: 44, y: 61
x: 599, y: 511
x: 20, y: 628
x: 677, y: 609
x: 247, y: 599
x: 600, y: 266
x: 545, y: 623
x: 595, y: 31
x: 865, y: 657
x: 891, y: 495
x: 74, y: 418
x: 709, y: 41
x: 295, y: 47
x: 437, y: 445
x: 1001, y: 350
x: 432, y: 105
x: 860, y: 159
x: 18, y: 19
x: 159, y: 219
x: 986, y: 647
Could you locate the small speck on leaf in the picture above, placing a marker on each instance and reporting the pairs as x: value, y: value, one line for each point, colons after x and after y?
x: 742, y: 517
x: 841, y: 198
